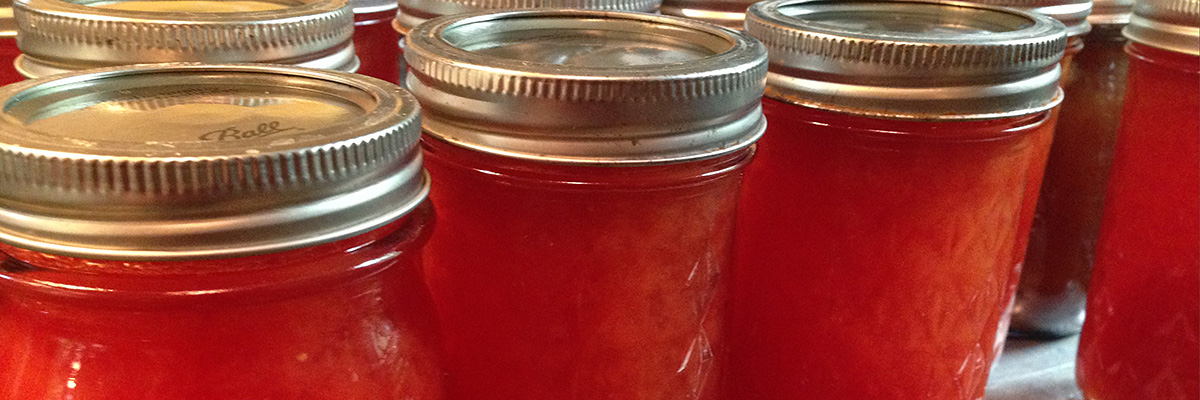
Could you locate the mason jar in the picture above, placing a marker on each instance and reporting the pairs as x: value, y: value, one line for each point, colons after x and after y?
x: 1074, y: 15
x: 587, y: 167
x: 375, y: 40
x: 877, y: 224
x: 414, y: 12
x: 213, y: 232
x: 1062, y: 242
x: 62, y: 36
x: 1140, y: 338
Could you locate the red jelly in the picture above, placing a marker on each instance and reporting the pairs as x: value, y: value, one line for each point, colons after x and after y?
x: 877, y: 224
x: 8, y: 47
x: 1074, y: 16
x: 586, y: 227
x: 206, y: 266
x: 375, y: 40
x: 1141, y: 339
x: 1058, y: 263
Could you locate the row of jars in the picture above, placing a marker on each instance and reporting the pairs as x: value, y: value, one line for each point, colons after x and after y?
x: 615, y: 217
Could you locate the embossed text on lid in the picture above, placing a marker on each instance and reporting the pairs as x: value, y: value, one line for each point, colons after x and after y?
x: 910, y: 60
x: 201, y: 161
x: 591, y: 87
x: 61, y: 36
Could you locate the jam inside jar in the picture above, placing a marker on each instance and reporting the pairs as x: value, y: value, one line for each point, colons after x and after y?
x: 587, y: 167
x: 1062, y: 242
x: 375, y: 40
x: 859, y: 305
x: 878, y: 222
x: 241, y: 232
x: 349, y: 319
x: 1140, y: 337
x: 596, y: 280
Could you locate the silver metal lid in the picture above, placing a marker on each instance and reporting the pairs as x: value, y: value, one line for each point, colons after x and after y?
x: 192, y: 161
x: 1072, y: 13
x: 63, y: 36
x: 1166, y: 24
x: 588, y: 87
x: 1111, y: 12
x: 372, y: 6
x: 727, y: 13
x: 415, y: 12
x: 910, y: 59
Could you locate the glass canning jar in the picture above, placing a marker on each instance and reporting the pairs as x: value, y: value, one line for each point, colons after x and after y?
x: 213, y: 232
x: 414, y: 12
x: 63, y: 36
x: 375, y: 40
x: 1074, y: 16
x: 1062, y: 242
x: 587, y: 167
x: 1141, y: 338
x: 877, y: 224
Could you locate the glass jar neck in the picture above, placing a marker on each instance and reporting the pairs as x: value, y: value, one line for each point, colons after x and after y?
x: 990, y: 129
x: 1181, y: 62
x: 518, y: 171
x: 169, y: 283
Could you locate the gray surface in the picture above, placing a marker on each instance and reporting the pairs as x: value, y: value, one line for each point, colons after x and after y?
x: 1033, y: 370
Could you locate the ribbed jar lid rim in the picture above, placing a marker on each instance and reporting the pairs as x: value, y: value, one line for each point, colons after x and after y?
x: 588, y: 87
x: 910, y: 59
x: 1166, y: 24
x: 197, y: 161
x: 416, y: 12
x: 61, y: 36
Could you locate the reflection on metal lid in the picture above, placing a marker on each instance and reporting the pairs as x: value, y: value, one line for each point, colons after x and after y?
x: 63, y: 36
x: 589, y: 87
x: 201, y: 161
x: 910, y: 59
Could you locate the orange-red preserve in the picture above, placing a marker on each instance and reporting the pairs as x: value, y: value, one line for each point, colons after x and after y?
x: 877, y: 223
x: 587, y: 168
x: 244, y: 232
x: 1141, y: 339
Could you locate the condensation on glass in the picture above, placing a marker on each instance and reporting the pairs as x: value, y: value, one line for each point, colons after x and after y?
x: 878, y: 221
x: 64, y: 36
x: 1140, y: 337
x: 587, y: 167
x: 213, y: 231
